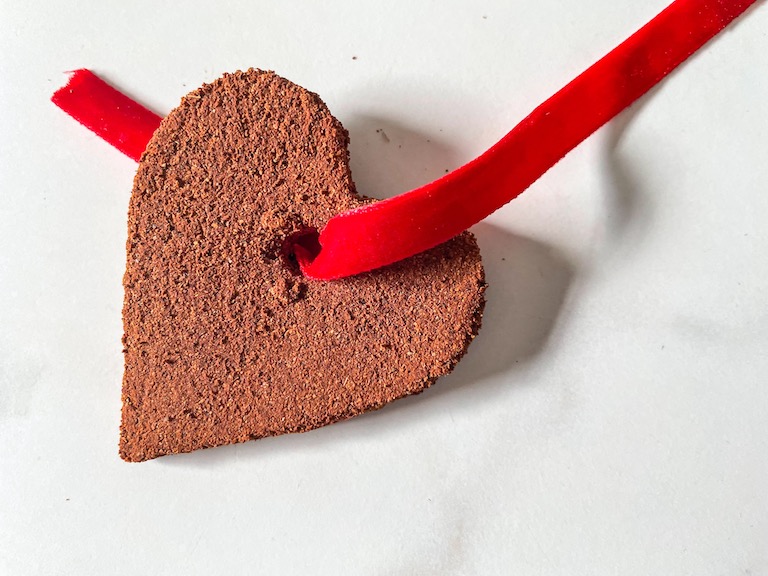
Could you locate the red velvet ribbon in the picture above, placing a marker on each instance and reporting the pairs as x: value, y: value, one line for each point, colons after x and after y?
x: 125, y: 124
x: 388, y: 231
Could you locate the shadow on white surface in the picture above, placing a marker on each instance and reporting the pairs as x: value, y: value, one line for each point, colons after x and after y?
x: 529, y: 281
x: 388, y: 158
x: 627, y: 209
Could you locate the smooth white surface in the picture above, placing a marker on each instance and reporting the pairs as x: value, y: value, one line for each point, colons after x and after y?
x: 612, y: 416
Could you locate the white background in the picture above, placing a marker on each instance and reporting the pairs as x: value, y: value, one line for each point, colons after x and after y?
x: 612, y: 416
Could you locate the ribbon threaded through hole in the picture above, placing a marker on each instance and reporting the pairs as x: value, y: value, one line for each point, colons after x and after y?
x: 300, y: 249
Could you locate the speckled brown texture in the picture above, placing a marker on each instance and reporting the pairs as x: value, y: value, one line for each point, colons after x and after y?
x: 223, y: 342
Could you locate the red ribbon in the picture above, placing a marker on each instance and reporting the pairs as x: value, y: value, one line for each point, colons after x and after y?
x: 125, y: 124
x: 388, y: 231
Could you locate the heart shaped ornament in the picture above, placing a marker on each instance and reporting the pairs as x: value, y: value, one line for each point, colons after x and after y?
x: 224, y: 340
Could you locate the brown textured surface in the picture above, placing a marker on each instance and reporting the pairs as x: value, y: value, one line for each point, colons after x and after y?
x: 223, y: 342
